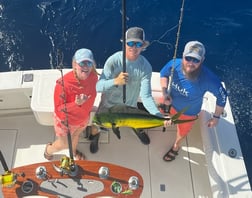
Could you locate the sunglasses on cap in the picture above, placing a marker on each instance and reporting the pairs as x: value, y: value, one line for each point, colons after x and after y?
x: 138, y: 44
x: 189, y: 59
x: 85, y: 63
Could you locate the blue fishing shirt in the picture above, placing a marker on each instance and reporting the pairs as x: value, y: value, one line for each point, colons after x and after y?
x: 139, y: 83
x: 187, y: 93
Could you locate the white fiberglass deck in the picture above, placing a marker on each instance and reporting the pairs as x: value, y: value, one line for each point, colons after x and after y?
x: 23, y: 141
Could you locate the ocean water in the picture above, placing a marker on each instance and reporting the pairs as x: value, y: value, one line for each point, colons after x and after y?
x: 33, y: 32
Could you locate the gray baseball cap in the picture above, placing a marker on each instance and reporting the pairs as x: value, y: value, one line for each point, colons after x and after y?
x: 136, y: 34
x: 194, y: 49
x: 83, y: 54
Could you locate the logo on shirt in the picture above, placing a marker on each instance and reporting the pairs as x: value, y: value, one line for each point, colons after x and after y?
x: 182, y: 91
x: 223, y: 95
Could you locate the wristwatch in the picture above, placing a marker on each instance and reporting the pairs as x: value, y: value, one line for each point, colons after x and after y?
x: 215, y: 116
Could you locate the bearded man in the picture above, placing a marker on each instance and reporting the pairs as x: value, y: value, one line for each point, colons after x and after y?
x: 191, y: 80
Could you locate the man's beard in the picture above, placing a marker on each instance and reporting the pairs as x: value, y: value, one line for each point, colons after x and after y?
x: 192, y: 75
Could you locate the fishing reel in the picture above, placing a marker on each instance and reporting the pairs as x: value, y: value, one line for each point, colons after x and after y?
x: 66, y: 167
x: 8, y: 179
x: 164, y: 109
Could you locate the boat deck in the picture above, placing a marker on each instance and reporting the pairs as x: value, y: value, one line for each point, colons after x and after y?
x: 209, y: 164
x: 22, y: 141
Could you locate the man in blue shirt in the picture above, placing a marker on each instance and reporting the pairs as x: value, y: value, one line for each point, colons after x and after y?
x: 137, y: 79
x: 191, y: 80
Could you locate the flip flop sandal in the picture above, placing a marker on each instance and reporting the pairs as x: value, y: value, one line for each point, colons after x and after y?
x: 46, y: 155
x: 171, y: 154
x: 79, y: 155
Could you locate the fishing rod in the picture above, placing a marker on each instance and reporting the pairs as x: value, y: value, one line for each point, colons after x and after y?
x: 169, y: 87
x: 67, y: 165
x: 4, y: 164
x: 166, y: 108
x: 60, y: 66
x: 8, y: 179
x: 123, y: 44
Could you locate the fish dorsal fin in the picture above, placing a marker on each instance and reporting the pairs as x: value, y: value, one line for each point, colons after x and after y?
x: 127, y: 109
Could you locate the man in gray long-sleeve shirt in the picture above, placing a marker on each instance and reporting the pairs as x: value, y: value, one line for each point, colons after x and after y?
x: 137, y: 79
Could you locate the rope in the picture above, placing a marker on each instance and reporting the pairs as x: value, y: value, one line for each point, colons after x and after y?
x: 176, y: 49
x: 123, y: 44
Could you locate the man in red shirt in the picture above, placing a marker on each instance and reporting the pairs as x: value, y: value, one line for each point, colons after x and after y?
x: 74, y: 96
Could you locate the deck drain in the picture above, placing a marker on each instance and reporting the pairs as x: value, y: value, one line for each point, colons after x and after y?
x: 232, y: 153
x: 162, y: 187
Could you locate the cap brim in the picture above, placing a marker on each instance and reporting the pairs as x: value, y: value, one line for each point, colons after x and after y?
x: 134, y: 39
x: 194, y: 56
x: 146, y: 44
x: 86, y: 59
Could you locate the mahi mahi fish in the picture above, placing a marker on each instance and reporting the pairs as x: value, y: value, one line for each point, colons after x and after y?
x: 127, y: 116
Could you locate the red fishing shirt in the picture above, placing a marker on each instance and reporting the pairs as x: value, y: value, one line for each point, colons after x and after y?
x: 76, y: 113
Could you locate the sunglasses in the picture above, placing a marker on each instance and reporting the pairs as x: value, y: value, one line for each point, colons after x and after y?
x: 138, y: 44
x: 85, y: 63
x: 194, y: 60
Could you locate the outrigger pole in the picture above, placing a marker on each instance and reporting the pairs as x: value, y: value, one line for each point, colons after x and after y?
x: 123, y: 44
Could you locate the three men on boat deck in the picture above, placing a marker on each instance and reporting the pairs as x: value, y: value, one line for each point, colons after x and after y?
x: 74, y: 96
x: 191, y: 80
x: 137, y: 79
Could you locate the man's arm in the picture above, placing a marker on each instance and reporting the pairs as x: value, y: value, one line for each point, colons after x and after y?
x: 164, y: 84
x: 216, y: 116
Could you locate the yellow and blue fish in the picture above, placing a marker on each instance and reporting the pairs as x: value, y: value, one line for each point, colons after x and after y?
x: 127, y: 116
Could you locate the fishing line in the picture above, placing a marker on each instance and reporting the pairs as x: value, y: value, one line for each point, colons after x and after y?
x: 162, y: 36
x: 60, y: 57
